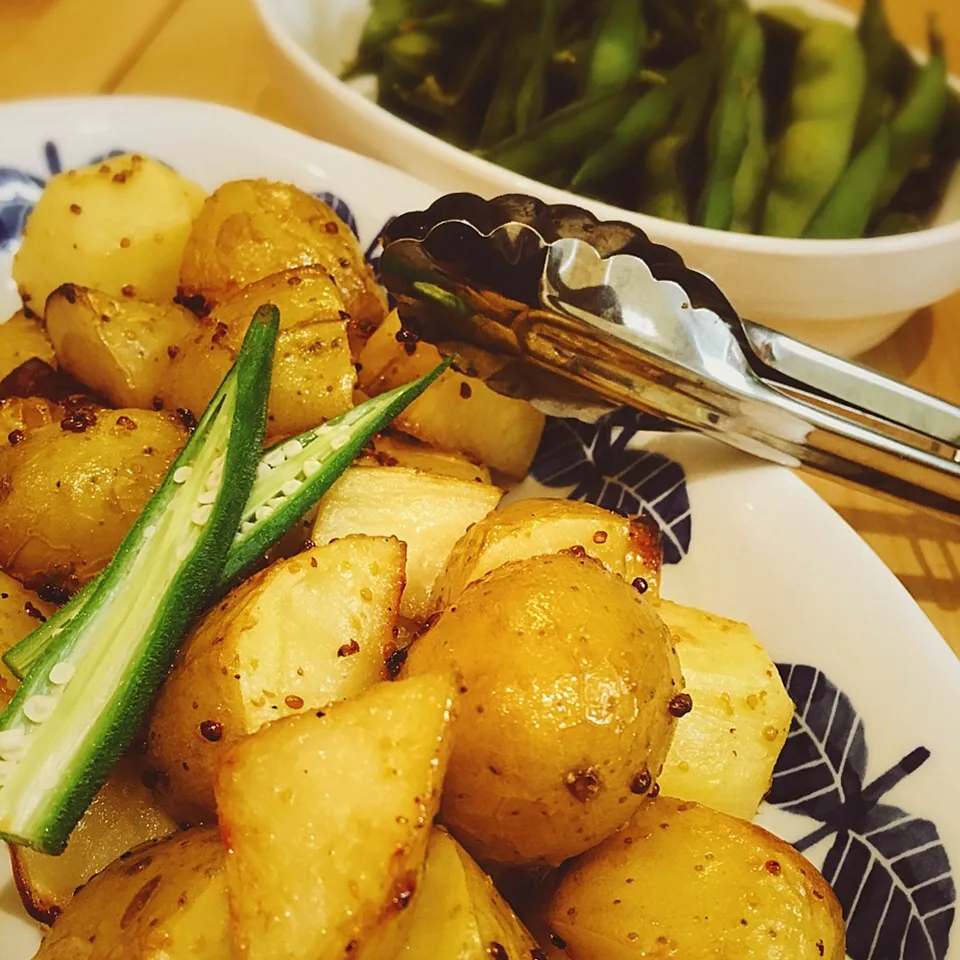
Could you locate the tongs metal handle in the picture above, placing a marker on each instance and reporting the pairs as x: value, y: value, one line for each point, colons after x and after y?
x: 550, y: 304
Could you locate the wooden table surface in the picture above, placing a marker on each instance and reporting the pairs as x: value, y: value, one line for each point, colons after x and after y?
x: 215, y: 50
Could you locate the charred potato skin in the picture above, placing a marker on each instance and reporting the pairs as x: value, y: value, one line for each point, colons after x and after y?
x: 567, y: 681
x: 70, y: 491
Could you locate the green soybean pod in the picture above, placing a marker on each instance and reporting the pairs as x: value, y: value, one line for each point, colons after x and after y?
x: 743, y: 47
x: 827, y: 88
x: 533, y: 91
x: 646, y: 120
x: 879, y: 45
x: 617, y: 48
x: 918, y: 120
x: 749, y: 181
x: 848, y: 209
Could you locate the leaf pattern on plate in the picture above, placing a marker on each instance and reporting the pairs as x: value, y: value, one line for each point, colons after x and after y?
x: 597, y: 461
x: 889, y: 868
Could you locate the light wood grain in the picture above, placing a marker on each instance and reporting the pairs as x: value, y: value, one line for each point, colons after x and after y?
x: 214, y: 50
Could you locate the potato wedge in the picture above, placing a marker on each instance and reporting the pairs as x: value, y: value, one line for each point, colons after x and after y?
x: 708, y: 886
x: 327, y: 816
x: 725, y: 749
x: 457, y: 413
x: 536, y: 527
x: 70, y: 491
x: 165, y: 900
x: 567, y: 684
x: 313, y: 376
x: 302, y: 633
x: 458, y: 913
x: 428, y: 513
x: 21, y: 610
x: 21, y: 338
x: 397, y: 450
x: 123, y: 815
x: 119, y: 347
x: 250, y: 229
x: 119, y: 226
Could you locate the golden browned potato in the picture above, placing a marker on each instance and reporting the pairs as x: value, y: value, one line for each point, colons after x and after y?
x: 19, y: 415
x: 123, y: 815
x: 119, y: 226
x: 119, y: 347
x: 397, y: 450
x: 457, y: 413
x: 530, y: 528
x: 569, y: 690
x: 327, y: 816
x: 315, y: 628
x: 21, y: 338
x: 21, y: 611
x: 458, y: 913
x: 250, y: 229
x: 724, y: 752
x: 165, y: 900
x: 429, y: 513
x: 685, y: 881
x: 70, y: 491
x: 313, y: 375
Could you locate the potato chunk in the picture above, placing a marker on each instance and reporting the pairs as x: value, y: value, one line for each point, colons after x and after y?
x: 21, y: 338
x: 119, y: 226
x: 397, y: 450
x: 164, y: 901
x: 326, y: 817
x: 456, y: 413
x: 724, y: 751
x: 567, y: 680
x: 251, y: 229
x: 429, y: 513
x: 315, y: 628
x: 686, y: 881
x: 531, y: 528
x: 70, y: 491
x: 120, y: 348
x: 21, y: 611
x: 123, y: 815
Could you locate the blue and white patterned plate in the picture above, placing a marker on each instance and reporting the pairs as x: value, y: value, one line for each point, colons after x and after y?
x: 868, y: 785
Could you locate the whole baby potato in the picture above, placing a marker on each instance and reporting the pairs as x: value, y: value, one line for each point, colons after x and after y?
x: 71, y: 490
x: 567, y: 682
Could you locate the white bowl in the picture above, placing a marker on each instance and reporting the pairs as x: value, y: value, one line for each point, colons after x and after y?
x: 843, y: 295
x: 876, y: 688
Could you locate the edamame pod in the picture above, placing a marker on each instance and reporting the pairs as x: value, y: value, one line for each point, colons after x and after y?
x: 750, y: 178
x: 533, y: 91
x: 828, y: 82
x: 618, y: 47
x: 878, y: 48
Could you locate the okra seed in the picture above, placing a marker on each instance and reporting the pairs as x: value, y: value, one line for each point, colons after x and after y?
x: 263, y: 512
x: 62, y: 672
x: 263, y: 470
x: 149, y: 531
x: 11, y: 742
x: 292, y: 447
x: 275, y: 458
x: 182, y: 474
x: 291, y: 487
x: 202, y: 514
x: 247, y: 526
x: 208, y: 496
x: 6, y: 769
x: 275, y: 502
x: 39, y: 708
x: 339, y: 441
x: 310, y: 467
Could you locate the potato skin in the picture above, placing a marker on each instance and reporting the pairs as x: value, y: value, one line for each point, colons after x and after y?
x: 21, y: 338
x: 686, y: 881
x: 119, y: 226
x: 70, y: 491
x: 566, y: 679
x: 250, y: 229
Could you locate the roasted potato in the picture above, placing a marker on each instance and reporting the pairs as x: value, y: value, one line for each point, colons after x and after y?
x: 326, y: 817
x: 315, y: 628
x: 251, y: 229
x: 119, y: 226
x: 70, y: 491
x: 123, y: 815
x: 567, y: 682
x: 724, y: 752
x: 397, y: 450
x: 35, y: 379
x: 427, y: 512
x: 18, y: 415
x: 165, y: 900
x: 21, y: 610
x: 530, y: 528
x: 457, y: 413
x: 313, y: 375
x: 21, y: 338
x: 119, y: 347
x: 458, y: 913
x: 707, y: 886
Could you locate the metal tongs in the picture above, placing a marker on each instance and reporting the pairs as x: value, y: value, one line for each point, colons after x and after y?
x: 579, y: 316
